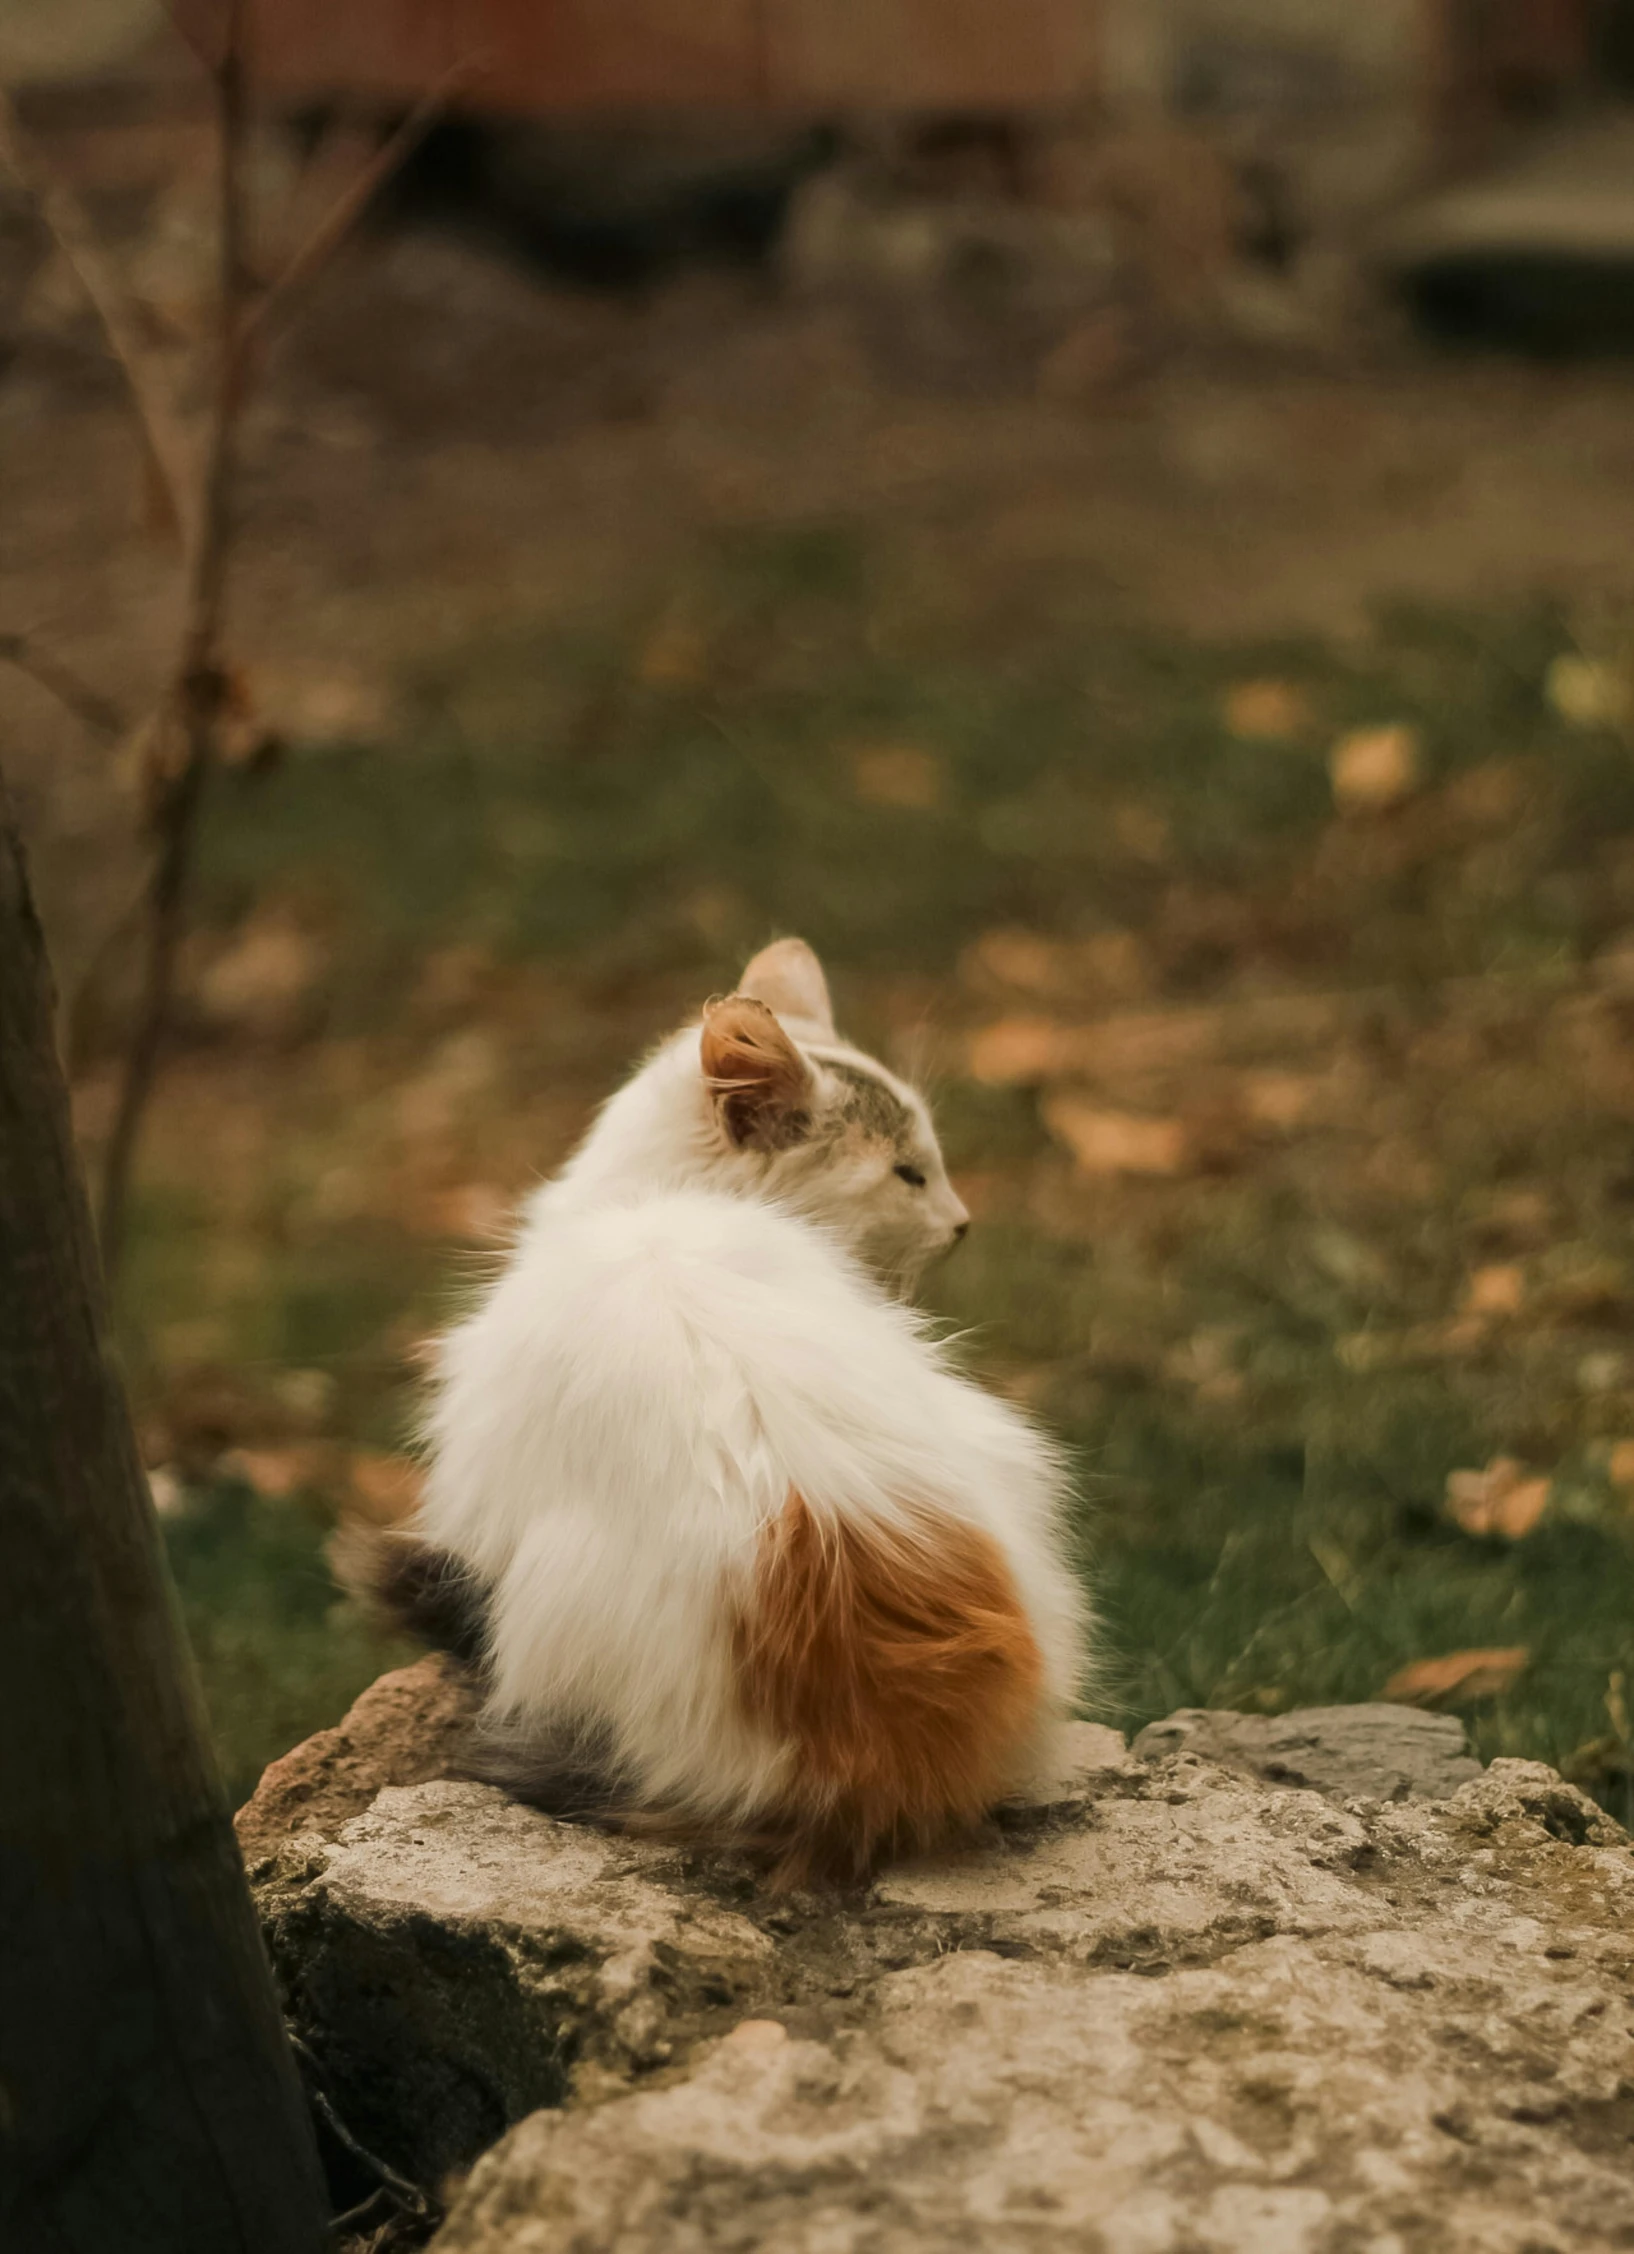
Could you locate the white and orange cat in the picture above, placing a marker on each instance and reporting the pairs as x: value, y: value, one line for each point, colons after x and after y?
x: 737, y: 1551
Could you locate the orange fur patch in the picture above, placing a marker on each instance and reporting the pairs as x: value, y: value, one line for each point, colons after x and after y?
x: 759, y: 1078
x: 902, y: 1666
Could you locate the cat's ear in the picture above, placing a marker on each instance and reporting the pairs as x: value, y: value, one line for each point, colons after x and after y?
x: 789, y: 979
x: 757, y: 1079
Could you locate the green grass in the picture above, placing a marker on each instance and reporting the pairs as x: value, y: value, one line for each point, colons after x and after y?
x: 1291, y: 1548
x: 1264, y: 1508
x: 280, y: 1655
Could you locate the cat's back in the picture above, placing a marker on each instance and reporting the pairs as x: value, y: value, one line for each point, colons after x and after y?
x: 680, y: 1253
x: 615, y: 1316
x: 643, y: 1347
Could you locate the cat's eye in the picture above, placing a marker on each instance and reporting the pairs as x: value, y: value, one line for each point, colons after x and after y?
x: 912, y: 1176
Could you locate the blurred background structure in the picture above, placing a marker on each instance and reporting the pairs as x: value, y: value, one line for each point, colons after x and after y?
x: 1112, y: 517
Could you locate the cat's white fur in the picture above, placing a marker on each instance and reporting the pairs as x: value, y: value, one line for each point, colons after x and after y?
x: 687, y: 1331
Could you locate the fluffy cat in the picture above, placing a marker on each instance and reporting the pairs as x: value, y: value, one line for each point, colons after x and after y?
x: 739, y: 1554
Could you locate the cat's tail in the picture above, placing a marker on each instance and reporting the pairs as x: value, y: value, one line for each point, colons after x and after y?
x: 410, y: 1584
x: 573, y: 1774
x: 574, y: 1777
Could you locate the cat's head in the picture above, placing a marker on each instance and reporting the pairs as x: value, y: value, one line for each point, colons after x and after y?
x: 765, y: 1099
x: 819, y: 1125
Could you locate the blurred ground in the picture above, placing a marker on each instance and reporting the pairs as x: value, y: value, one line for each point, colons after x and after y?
x: 1292, y: 1093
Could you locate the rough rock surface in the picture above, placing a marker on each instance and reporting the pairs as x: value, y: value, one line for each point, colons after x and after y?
x: 1376, y: 1752
x: 406, y: 1728
x: 1169, y: 2009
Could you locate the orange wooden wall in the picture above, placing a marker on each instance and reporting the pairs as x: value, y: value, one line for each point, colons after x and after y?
x: 589, y: 55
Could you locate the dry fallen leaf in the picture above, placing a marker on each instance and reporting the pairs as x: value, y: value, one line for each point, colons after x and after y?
x: 897, y: 775
x: 1266, y: 711
x: 1018, y: 1050
x: 1595, y: 1293
x: 168, y: 1491
x: 1142, y: 831
x: 1019, y: 958
x: 1364, y: 1351
x: 307, y: 1395
x: 385, y: 1488
x: 675, y: 656
x: 1118, y: 961
x: 1523, y: 1216
x: 1496, y: 1290
x: 1205, y: 1363
x: 1461, y: 1675
x: 1500, y: 1500
x: 453, y: 979
x: 322, y: 704
x: 1028, y: 1388
x: 473, y: 1212
x: 457, y: 1079
x: 1111, y: 964
x: 277, y: 1473
x: 1117, y: 1142
x: 1589, y: 693
x: 1278, y: 1099
x: 260, y: 981
x: 1620, y: 1464
x: 1604, y: 1371
x: 1128, y: 1044
x: 1421, y: 1343
x: 1372, y: 768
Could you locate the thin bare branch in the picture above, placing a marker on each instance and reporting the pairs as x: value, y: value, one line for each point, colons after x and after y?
x: 88, y: 705
x: 200, y: 685
x: 348, y: 208
x: 187, y: 736
x: 164, y: 427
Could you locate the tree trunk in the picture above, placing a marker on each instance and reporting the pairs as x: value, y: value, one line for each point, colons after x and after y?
x: 149, y: 2103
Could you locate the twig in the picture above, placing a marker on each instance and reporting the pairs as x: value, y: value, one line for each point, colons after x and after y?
x: 191, y: 719
x: 407, y: 2197
x: 199, y: 690
x: 103, y: 718
x: 86, y: 704
x: 163, y: 425
x: 200, y: 494
x: 348, y: 208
